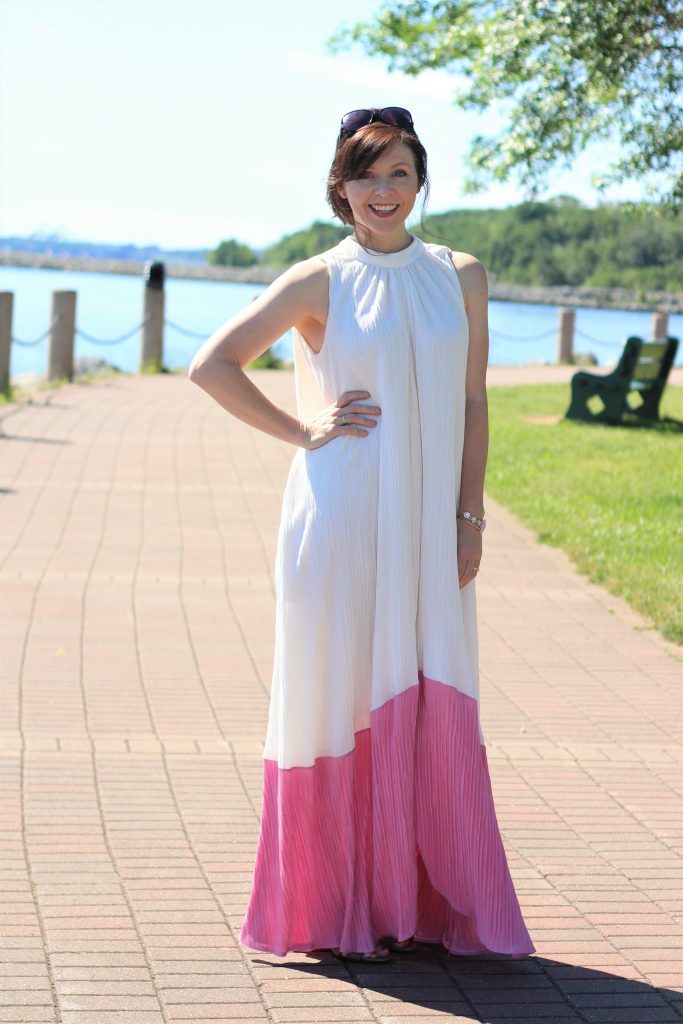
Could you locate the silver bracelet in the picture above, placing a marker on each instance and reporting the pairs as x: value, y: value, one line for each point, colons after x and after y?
x: 474, y: 520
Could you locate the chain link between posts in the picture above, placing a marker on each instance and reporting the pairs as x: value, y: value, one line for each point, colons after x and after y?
x: 36, y: 341
x: 184, y: 330
x: 522, y: 339
x: 599, y: 341
x: 553, y: 333
x: 110, y: 341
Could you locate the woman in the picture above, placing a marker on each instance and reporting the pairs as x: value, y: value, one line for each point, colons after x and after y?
x: 378, y: 825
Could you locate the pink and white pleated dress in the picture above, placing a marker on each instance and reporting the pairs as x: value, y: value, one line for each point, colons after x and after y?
x: 378, y: 816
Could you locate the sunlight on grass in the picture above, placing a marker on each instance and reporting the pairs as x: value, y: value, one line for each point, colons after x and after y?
x: 610, y: 497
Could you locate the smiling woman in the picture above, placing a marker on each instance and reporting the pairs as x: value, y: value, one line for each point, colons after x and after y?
x: 378, y: 825
x: 376, y: 178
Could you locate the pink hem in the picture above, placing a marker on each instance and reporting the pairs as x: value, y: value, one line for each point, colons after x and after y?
x: 397, y: 837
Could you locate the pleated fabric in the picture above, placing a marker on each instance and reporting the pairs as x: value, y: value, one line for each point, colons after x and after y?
x: 378, y: 816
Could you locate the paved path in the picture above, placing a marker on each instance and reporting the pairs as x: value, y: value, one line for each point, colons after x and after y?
x: 136, y: 573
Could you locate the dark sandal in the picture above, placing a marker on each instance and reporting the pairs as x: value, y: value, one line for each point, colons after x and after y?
x: 361, y: 957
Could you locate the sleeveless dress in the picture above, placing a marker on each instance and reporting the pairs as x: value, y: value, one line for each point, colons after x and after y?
x: 378, y: 816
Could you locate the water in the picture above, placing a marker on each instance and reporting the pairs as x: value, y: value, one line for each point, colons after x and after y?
x: 111, y: 305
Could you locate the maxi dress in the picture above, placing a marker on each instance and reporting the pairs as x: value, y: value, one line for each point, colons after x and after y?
x: 378, y: 816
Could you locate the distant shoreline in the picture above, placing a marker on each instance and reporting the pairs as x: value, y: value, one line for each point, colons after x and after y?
x: 552, y: 295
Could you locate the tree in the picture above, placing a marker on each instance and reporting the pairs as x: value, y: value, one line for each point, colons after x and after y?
x: 573, y: 71
x: 232, y: 253
x: 301, y: 245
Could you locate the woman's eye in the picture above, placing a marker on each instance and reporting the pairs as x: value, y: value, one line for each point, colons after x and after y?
x: 366, y: 174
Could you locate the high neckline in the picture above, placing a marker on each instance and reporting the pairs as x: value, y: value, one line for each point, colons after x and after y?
x: 384, y: 259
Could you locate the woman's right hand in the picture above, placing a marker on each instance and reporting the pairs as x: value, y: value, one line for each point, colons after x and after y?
x: 328, y: 423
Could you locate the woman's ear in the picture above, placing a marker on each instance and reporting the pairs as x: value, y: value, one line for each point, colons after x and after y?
x: 340, y: 191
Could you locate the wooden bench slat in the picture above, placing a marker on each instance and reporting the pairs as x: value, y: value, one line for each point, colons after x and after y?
x: 653, y: 349
x: 647, y: 371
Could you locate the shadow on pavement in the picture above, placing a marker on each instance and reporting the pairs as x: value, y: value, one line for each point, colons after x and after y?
x: 496, y: 989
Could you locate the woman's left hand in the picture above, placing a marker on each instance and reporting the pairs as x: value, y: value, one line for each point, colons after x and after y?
x: 469, y: 551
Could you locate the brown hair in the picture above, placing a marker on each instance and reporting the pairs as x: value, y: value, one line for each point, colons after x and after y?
x: 355, y: 154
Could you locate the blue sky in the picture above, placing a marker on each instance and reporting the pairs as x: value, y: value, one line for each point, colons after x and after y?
x: 183, y: 123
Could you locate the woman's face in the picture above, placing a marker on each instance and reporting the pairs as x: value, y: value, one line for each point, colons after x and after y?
x: 390, y: 182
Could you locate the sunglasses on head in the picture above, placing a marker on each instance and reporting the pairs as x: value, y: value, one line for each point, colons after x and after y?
x: 399, y: 117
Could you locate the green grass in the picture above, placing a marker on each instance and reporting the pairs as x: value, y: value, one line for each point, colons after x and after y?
x: 610, y: 497
x: 266, y: 361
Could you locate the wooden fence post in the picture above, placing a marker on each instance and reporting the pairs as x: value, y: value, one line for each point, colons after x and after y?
x: 60, y: 346
x: 565, y: 335
x: 152, y: 353
x: 660, y: 326
x: 6, y: 304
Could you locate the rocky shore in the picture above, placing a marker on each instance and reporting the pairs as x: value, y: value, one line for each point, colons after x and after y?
x: 552, y: 295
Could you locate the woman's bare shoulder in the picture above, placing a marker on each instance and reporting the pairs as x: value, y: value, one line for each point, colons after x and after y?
x: 472, y: 276
x: 316, y: 272
x: 311, y: 278
x: 301, y: 289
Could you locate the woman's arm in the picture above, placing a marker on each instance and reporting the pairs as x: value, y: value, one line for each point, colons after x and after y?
x: 475, y: 449
x: 476, y: 439
x: 297, y: 295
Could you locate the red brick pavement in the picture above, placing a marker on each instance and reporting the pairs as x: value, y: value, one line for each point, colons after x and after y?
x: 138, y: 539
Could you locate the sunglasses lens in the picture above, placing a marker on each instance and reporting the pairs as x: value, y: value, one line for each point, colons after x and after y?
x: 398, y: 116
x: 355, y: 119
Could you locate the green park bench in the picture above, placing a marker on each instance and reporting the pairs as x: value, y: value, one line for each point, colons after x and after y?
x: 643, y: 369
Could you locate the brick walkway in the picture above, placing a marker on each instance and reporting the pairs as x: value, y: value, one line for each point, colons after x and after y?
x: 138, y: 539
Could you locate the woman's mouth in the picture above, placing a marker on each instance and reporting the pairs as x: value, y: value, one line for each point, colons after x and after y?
x: 383, y: 209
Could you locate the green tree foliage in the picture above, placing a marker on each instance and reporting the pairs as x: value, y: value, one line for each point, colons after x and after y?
x: 539, y: 243
x: 567, y: 71
x: 302, y: 244
x: 563, y: 242
x: 232, y: 253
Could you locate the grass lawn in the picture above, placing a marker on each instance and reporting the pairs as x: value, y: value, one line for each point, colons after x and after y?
x: 610, y: 497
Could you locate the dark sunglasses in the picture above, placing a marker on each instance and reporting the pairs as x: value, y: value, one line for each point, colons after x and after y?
x: 399, y: 117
